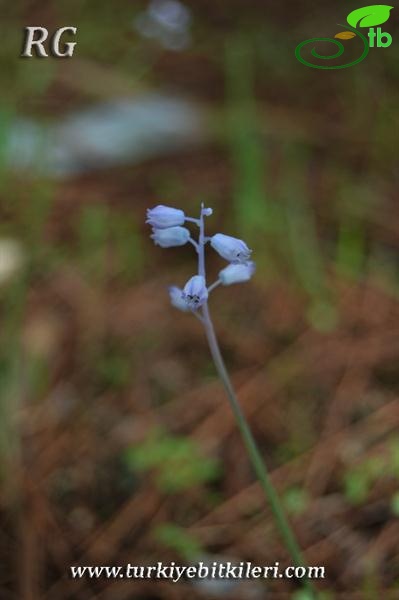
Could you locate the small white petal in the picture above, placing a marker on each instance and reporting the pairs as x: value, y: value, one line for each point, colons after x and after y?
x: 170, y: 237
x: 237, y: 273
x: 195, y: 292
x: 177, y: 300
x: 230, y: 248
x: 162, y: 216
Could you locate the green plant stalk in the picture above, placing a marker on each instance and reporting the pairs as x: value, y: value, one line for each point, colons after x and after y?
x: 253, y: 452
x: 250, y: 444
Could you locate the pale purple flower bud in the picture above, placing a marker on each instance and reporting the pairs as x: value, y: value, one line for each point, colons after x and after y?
x: 195, y: 292
x: 172, y: 236
x: 230, y: 248
x: 237, y: 273
x: 177, y: 300
x: 207, y: 212
x: 165, y: 216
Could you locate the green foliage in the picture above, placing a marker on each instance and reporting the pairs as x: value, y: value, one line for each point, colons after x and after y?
x: 394, y: 454
x: 176, y: 461
x: 395, y: 504
x: 322, y: 314
x: 177, y: 539
x: 34, y: 219
x: 355, y: 202
x: 109, y: 243
x: 301, y: 242
x: 295, y: 500
x: 93, y: 235
x: 292, y: 219
x: 359, y: 480
x: 307, y: 595
x: 11, y: 385
x: 350, y: 249
x: 126, y: 246
x: 357, y: 486
x: 6, y: 116
x: 250, y: 200
x: 382, y: 270
x: 113, y: 368
x: 10, y: 397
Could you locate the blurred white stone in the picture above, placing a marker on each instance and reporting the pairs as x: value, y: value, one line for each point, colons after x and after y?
x: 120, y: 131
x: 11, y: 258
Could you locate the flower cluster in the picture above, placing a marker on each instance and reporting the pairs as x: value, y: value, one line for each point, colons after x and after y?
x: 168, y: 231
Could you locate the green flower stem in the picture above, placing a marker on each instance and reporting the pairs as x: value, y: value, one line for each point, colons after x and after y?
x: 249, y: 441
x: 252, y: 449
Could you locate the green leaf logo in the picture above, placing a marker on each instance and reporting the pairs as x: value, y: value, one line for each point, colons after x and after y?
x: 368, y: 16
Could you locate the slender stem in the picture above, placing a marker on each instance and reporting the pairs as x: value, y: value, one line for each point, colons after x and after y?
x: 198, y: 316
x: 194, y: 243
x: 214, y: 285
x: 201, y: 244
x: 249, y: 441
x: 192, y: 220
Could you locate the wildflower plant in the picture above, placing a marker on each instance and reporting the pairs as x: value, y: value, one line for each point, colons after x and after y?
x: 167, y: 231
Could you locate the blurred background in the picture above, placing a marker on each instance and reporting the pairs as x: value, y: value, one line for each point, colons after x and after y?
x: 117, y: 443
